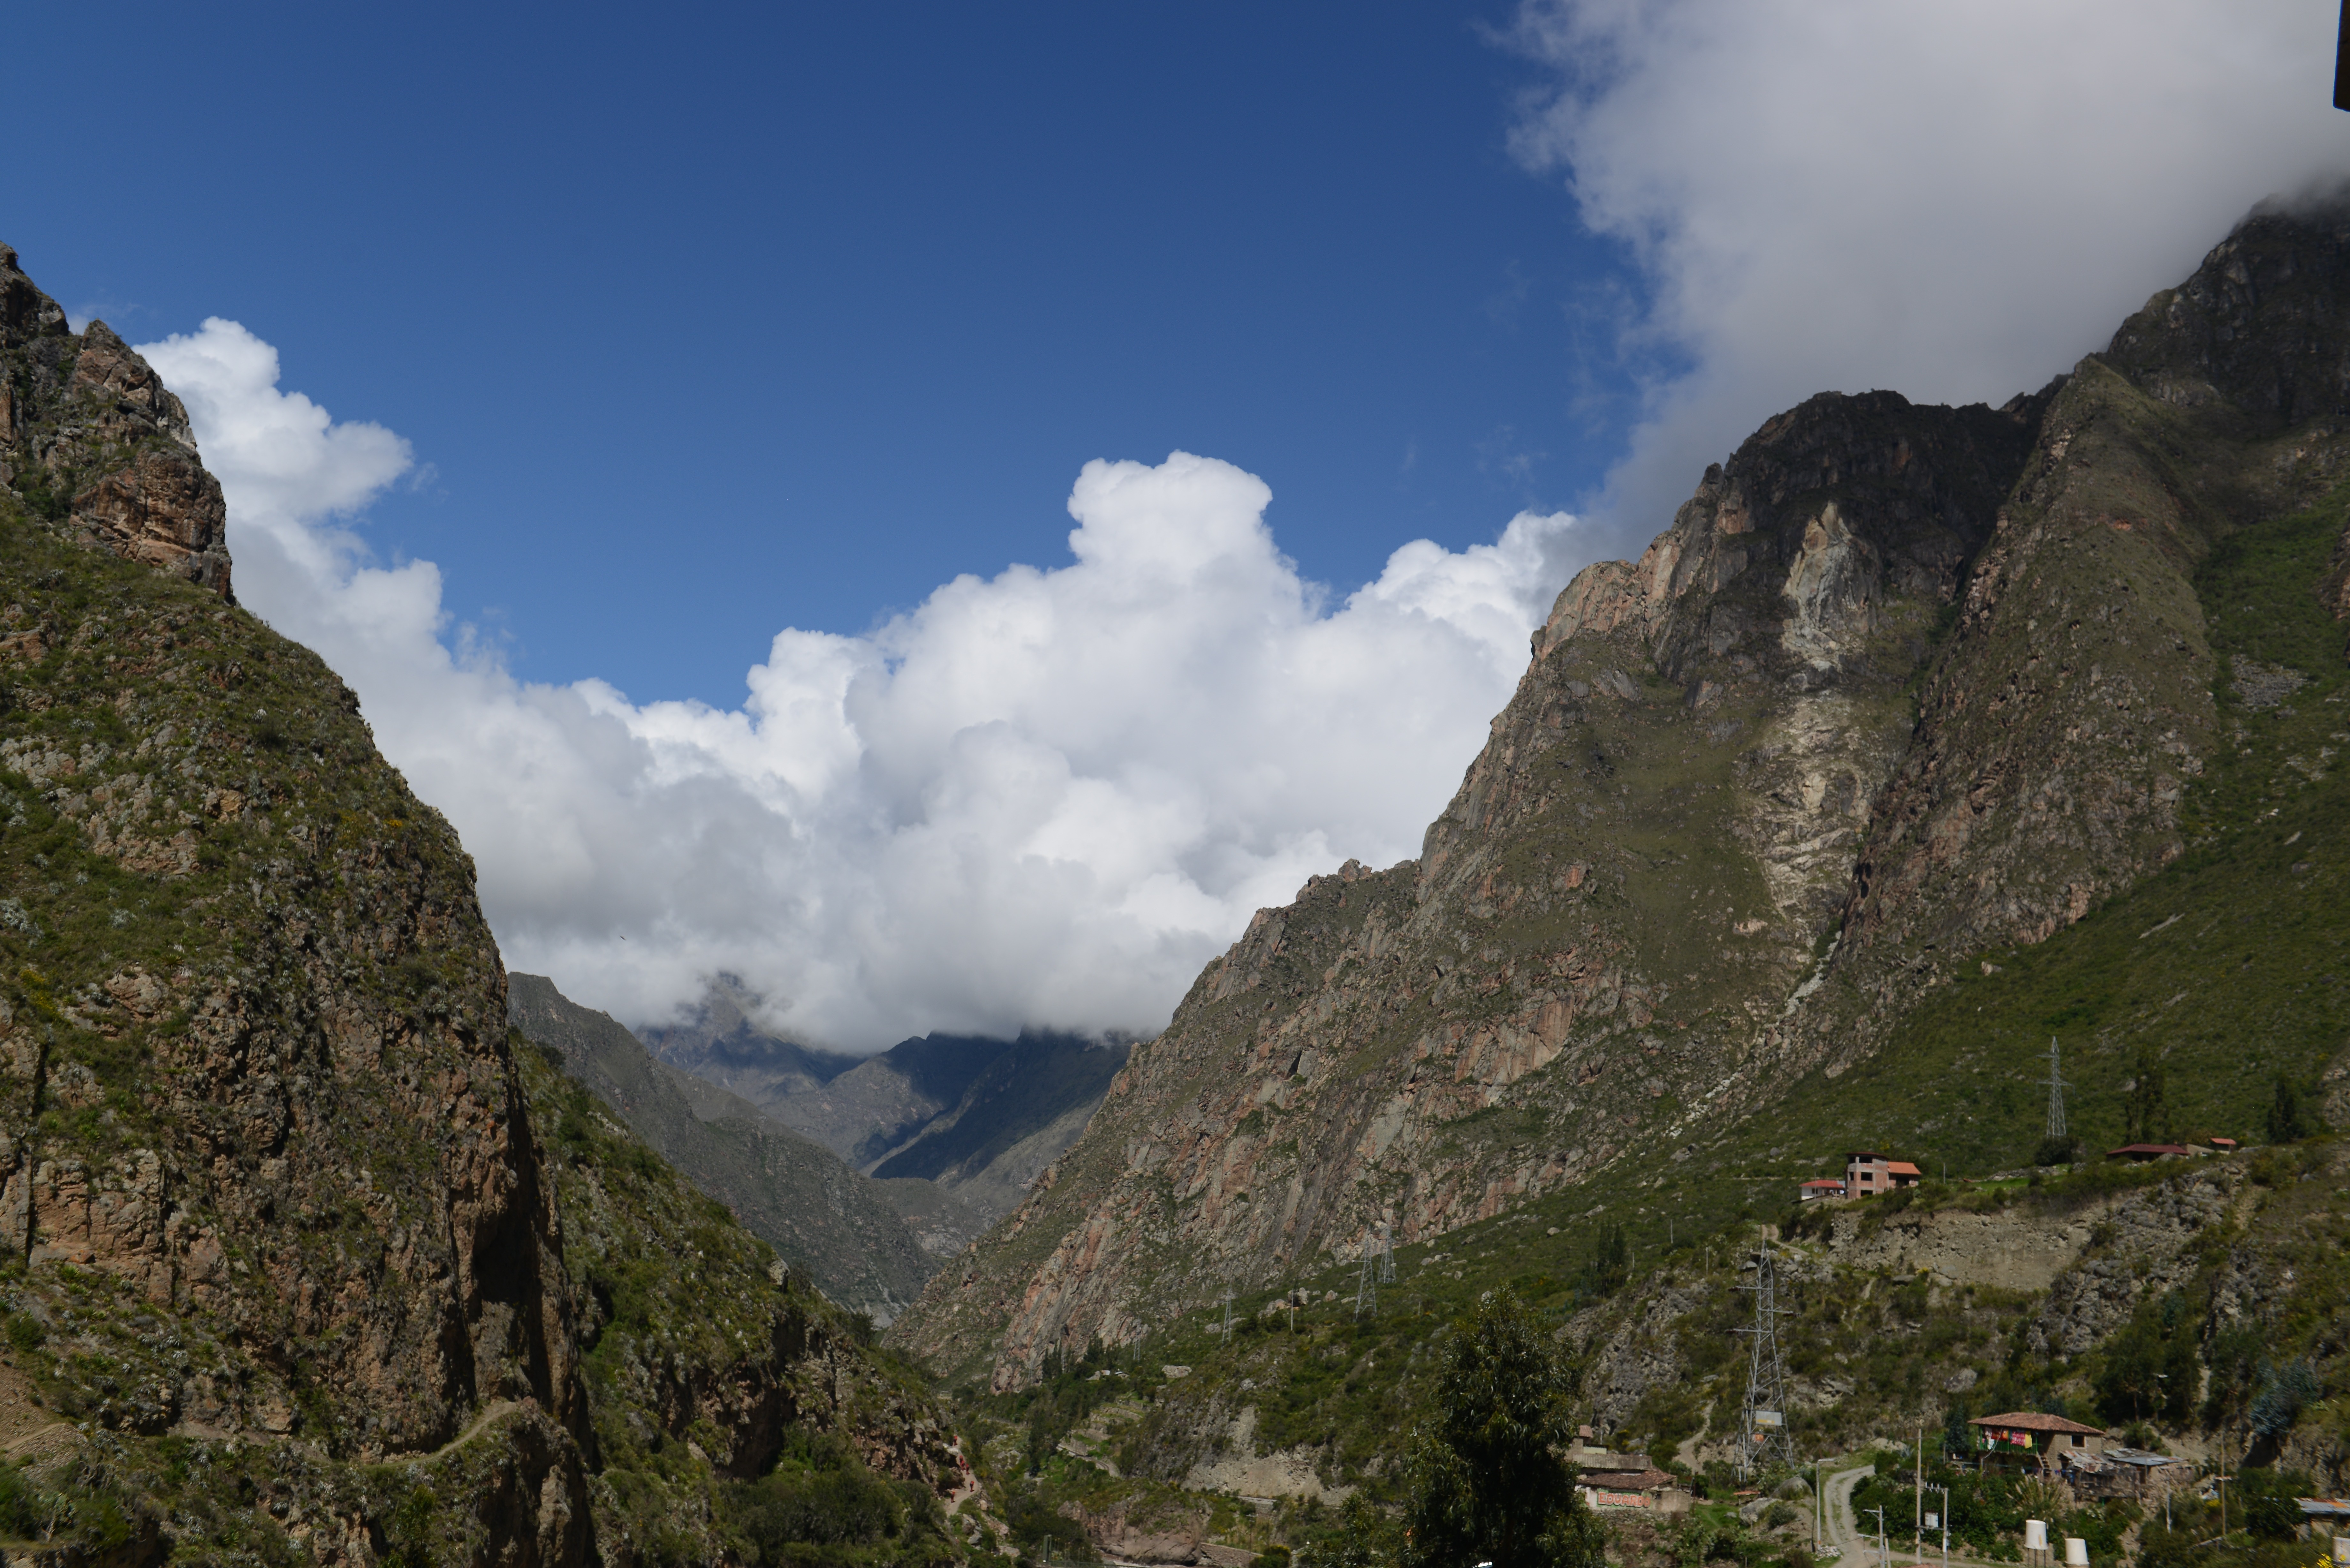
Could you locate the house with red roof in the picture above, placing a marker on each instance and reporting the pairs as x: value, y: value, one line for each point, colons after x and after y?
x: 2034, y: 1435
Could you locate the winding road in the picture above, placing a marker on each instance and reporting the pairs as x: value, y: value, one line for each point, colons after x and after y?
x: 1852, y: 1548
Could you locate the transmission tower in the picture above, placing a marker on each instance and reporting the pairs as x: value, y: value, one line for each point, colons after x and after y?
x: 1228, y: 1314
x: 1763, y: 1434
x: 1386, y: 1255
x: 2055, y: 1092
x: 1367, y: 1280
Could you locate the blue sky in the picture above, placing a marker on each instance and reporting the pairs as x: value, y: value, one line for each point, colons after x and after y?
x: 717, y: 389
x: 716, y: 319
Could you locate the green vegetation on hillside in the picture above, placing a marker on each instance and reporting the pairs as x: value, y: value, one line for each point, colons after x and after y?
x: 689, y: 1316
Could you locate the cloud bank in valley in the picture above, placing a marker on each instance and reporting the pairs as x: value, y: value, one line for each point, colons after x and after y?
x: 1044, y: 798
x: 1956, y: 201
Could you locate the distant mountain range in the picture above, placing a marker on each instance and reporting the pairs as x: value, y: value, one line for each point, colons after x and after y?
x: 976, y: 1117
x: 829, y: 1222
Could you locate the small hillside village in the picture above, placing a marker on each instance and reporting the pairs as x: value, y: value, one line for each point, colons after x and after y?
x: 1869, y: 1174
x: 2095, y: 1464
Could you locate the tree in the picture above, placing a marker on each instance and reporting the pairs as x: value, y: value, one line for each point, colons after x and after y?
x: 1611, y: 1261
x: 2289, y: 1118
x: 1486, y: 1482
x: 1362, y: 1539
x: 2149, y: 1367
x: 2286, y: 1392
x: 2149, y: 1113
x: 1957, y: 1436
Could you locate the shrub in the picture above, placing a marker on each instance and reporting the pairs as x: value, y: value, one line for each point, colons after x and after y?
x: 1486, y: 1483
x: 2286, y: 1391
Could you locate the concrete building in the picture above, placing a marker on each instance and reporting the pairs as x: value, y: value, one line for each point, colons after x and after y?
x: 1867, y: 1174
x: 1819, y: 1188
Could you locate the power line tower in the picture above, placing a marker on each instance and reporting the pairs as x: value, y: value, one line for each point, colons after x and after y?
x: 1228, y: 1314
x: 1762, y: 1435
x: 1367, y: 1280
x: 1386, y: 1255
x: 2056, y: 1132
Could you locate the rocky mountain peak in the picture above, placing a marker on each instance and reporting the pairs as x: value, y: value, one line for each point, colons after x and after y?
x: 96, y: 447
x: 1897, y: 683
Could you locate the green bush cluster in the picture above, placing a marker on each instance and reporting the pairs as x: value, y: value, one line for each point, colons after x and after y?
x: 820, y: 1498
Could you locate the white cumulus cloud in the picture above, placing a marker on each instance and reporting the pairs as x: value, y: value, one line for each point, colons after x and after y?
x: 1044, y: 798
x: 1953, y: 201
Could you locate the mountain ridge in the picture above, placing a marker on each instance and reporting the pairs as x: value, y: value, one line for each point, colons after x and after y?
x: 1898, y: 685
x: 978, y: 1117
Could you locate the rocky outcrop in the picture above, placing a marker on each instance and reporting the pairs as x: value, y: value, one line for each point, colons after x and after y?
x: 1897, y: 685
x: 2137, y: 1248
x: 94, y: 445
x: 266, y: 1170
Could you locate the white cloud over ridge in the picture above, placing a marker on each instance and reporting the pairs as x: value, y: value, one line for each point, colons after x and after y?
x: 1955, y: 202
x: 1045, y: 797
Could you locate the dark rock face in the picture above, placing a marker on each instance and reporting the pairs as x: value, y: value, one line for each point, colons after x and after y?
x: 2073, y: 704
x: 1898, y: 683
x: 94, y: 444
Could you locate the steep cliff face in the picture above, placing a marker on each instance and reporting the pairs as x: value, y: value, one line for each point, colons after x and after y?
x: 1898, y: 684
x: 268, y: 1172
x: 2074, y: 703
x: 282, y: 1256
x: 1632, y: 878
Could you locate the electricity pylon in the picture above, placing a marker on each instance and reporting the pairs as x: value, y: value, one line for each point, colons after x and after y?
x: 1763, y: 1434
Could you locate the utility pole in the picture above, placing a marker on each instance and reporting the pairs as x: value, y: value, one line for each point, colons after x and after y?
x: 1883, y: 1552
x: 1764, y: 1433
x: 1943, y: 1519
x: 1918, y: 1520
